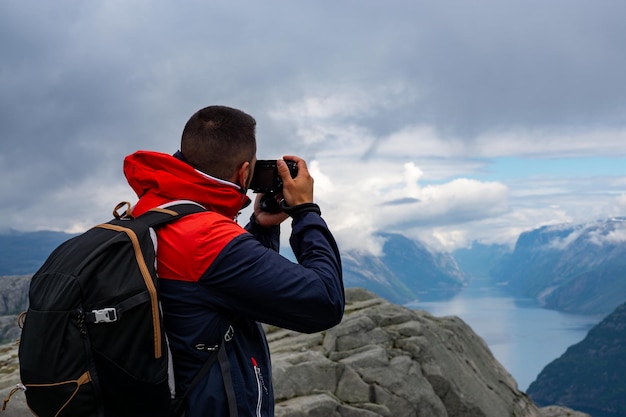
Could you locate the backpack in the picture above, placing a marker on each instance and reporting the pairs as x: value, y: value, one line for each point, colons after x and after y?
x: 92, y: 341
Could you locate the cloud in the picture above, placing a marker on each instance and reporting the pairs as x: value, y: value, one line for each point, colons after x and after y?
x: 368, y: 200
x: 561, y: 243
x: 615, y: 236
x: 402, y: 111
x: 551, y: 143
x: 600, y: 233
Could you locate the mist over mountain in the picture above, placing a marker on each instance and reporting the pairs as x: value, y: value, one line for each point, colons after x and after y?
x: 573, y: 268
x: 406, y: 271
x: 480, y: 260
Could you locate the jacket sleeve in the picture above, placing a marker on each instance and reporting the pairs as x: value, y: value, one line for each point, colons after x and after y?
x: 267, y: 236
x: 249, y: 280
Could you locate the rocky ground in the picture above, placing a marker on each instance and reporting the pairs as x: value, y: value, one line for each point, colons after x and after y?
x: 382, y: 360
x: 387, y: 360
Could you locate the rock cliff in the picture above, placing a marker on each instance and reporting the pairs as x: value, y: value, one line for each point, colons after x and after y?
x: 13, y: 300
x: 382, y: 360
x: 590, y: 374
x: 13, y: 294
x: 386, y: 360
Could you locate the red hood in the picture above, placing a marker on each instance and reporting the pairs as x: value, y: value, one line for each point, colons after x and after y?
x: 159, y: 178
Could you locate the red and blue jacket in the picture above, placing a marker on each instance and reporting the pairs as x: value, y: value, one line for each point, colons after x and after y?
x: 214, y: 273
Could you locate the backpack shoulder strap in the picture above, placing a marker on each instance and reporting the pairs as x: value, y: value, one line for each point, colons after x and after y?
x: 161, y: 215
x: 179, y: 404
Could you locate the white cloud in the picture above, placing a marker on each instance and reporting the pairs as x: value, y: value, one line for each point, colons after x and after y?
x: 564, y: 242
x: 552, y: 143
x: 600, y: 233
x: 72, y: 208
x: 616, y: 236
x: 419, y: 141
x: 387, y: 197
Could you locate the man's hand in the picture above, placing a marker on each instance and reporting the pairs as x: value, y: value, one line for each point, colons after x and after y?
x: 298, y: 190
x: 265, y: 218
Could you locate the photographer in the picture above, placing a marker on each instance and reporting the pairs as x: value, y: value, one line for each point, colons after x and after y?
x: 218, y: 280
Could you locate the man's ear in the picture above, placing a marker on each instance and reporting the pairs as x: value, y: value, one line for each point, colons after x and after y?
x: 244, y: 174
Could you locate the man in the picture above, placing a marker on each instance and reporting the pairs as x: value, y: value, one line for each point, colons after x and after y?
x: 214, y: 273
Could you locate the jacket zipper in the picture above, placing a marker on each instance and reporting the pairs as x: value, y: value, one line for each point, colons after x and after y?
x: 260, y: 387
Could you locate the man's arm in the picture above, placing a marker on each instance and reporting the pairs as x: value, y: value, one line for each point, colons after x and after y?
x: 267, y: 236
x: 251, y: 281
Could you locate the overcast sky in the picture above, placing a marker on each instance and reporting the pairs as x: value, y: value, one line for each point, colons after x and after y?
x: 448, y: 121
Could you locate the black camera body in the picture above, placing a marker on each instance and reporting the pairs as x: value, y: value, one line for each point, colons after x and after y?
x: 267, y: 180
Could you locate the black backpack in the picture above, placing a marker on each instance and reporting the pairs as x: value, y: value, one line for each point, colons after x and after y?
x: 92, y: 341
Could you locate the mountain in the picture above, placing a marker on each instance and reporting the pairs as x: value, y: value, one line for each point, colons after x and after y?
x: 370, y: 272
x: 21, y: 255
x: 24, y: 252
x: 406, y: 271
x: 589, y: 376
x: 382, y: 360
x: 480, y: 260
x: 573, y: 268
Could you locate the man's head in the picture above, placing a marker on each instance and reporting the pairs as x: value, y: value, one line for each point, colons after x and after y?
x: 220, y: 141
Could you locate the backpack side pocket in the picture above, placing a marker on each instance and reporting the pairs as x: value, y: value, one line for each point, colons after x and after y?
x: 54, y: 362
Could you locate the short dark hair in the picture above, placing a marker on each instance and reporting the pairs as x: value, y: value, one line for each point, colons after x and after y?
x: 218, y: 139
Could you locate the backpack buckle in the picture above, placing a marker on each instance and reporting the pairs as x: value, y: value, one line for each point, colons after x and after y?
x: 105, y: 315
x: 228, y: 336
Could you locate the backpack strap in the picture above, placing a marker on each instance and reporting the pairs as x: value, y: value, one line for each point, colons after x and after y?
x: 18, y: 387
x: 227, y: 378
x: 157, y: 217
x: 161, y: 215
x: 179, y: 404
x: 111, y: 314
x: 152, y: 218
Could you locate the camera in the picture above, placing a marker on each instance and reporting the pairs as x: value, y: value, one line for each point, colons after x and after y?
x: 267, y: 180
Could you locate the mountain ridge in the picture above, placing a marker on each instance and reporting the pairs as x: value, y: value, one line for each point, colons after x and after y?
x: 407, y: 270
x: 577, y: 268
x: 24, y: 252
x: 590, y: 374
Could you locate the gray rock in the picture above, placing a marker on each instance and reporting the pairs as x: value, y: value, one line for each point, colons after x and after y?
x: 9, y: 378
x: 14, y: 294
x: 387, y: 360
x: 13, y: 300
x: 16, y: 407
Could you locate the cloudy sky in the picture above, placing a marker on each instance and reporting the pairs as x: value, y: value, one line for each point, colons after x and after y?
x: 447, y: 121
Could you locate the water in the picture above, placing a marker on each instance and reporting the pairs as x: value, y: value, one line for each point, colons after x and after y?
x: 523, y: 336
